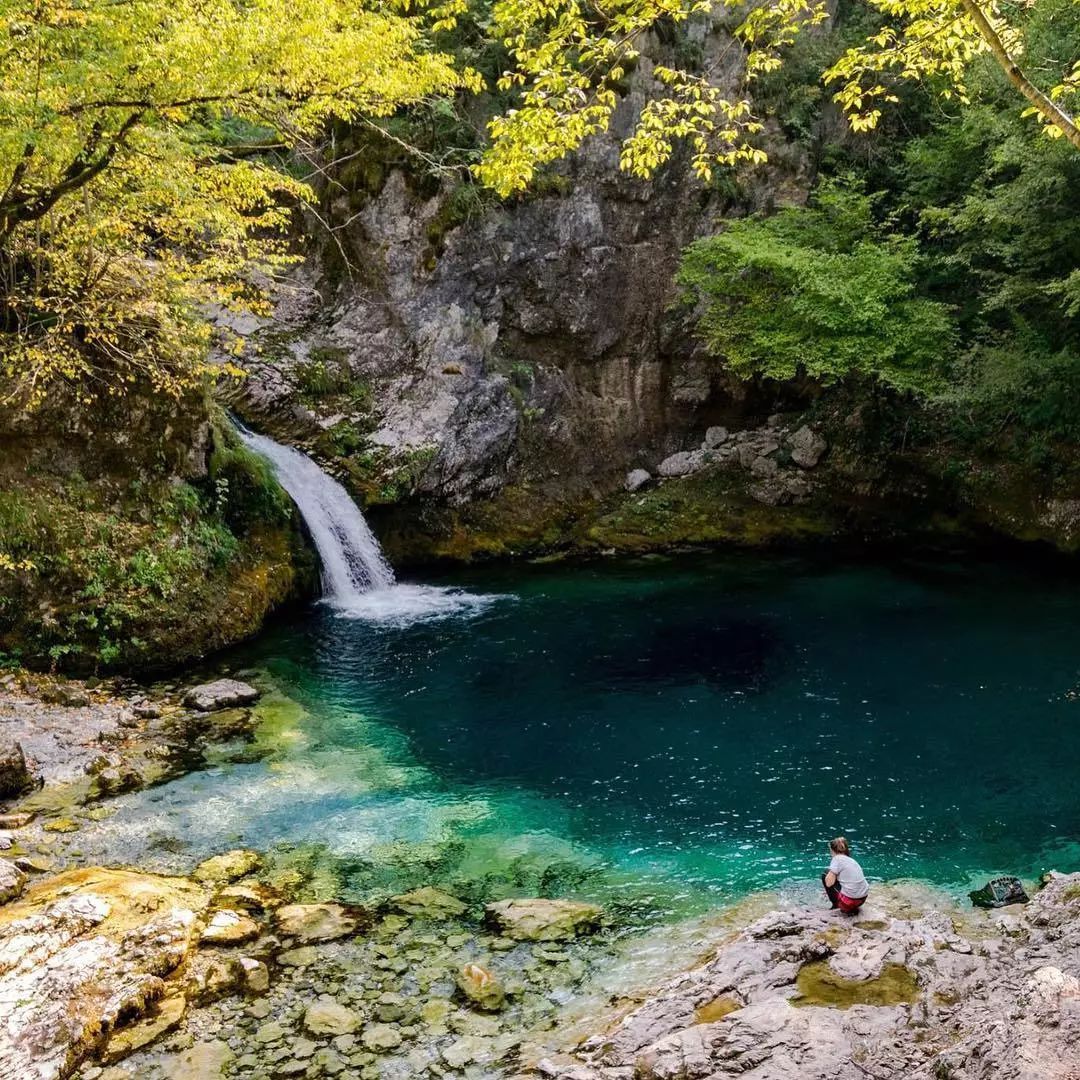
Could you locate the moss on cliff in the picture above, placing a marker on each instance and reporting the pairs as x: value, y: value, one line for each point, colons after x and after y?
x: 141, y: 562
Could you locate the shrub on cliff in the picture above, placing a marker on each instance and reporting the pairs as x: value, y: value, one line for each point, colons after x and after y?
x: 819, y: 291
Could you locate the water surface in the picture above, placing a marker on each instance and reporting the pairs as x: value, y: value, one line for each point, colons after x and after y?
x: 687, y: 730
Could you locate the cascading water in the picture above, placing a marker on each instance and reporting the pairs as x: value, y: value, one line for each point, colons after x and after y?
x: 356, y: 578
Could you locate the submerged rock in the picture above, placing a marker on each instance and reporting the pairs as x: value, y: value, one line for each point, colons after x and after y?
x: 481, y: 988
x: 380, y: 1038
x: 328, y: 1017
x: 220, y: 694
x: 315, y: 922
x: 544, y: 920
x: 204, y: 1061
x: 428, y: 903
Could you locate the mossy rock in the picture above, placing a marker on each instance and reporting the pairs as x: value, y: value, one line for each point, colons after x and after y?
x: 819, y: 985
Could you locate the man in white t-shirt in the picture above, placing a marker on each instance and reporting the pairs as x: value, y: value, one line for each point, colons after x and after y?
x: 845, y: 883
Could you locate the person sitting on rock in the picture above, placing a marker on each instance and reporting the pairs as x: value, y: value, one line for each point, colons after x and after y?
x: 844, y: 881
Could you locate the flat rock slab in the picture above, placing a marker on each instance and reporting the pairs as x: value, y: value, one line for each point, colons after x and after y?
x: 220, y: 694
x: 544, y: 920
x: 315, y: 922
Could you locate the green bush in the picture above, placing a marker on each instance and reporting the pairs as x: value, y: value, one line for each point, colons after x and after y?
x: 819, y: 291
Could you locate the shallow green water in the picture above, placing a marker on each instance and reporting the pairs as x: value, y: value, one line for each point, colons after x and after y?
x: 689, y: 730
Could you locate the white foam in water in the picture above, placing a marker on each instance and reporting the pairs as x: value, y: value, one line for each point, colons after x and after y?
x: 357, y: 581
x: 413, y: 603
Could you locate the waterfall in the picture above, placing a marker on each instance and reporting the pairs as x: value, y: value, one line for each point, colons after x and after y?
x: 352, y: 561
x: 356, y: 578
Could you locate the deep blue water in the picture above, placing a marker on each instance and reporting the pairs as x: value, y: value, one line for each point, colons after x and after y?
x: 699, y: 725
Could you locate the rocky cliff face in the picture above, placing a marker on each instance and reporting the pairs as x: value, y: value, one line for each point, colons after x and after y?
x: 484, y: 366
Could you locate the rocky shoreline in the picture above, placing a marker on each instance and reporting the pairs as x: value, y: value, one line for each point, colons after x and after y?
x: 111, y: 973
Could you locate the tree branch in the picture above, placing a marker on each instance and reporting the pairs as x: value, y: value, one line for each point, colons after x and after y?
x: 1048, y: 109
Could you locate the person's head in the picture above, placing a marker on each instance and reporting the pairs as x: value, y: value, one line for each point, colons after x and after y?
x: 839, y: 846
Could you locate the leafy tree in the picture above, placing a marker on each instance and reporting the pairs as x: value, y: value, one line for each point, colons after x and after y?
x: 134, y: 183
x: 818, y: 291
x: 569, y: 56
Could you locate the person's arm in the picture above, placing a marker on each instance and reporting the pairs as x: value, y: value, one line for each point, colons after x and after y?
x: 830, y: 879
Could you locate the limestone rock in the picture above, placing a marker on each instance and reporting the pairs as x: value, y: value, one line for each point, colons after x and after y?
x: 326, y: 1017
x: 807, y: 446
x: 544, y: 920
x: 315, y: 922
x: 681, y: 464
x: 481, y: 988
x: 12, y: 881
x: 428, y: 903
x: 220, y: 694
x: 165, y: 1016
x: 229, y: 928
x: 228, y: 866
x: 636, y: 479
x: 82, y: 950
x: 15, y: 775
x: 714, y: 437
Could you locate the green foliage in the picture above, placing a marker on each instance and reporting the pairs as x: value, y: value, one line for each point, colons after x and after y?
x: 115, y: 570
x: 819, y: 291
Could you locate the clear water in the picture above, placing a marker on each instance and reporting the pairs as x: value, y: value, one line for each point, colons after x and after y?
x: 685, y: 730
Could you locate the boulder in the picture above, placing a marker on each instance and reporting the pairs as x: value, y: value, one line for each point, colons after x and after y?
x: 210, y: 975
x: 543, y: 920
x: 764, y: 467
x: 481, y: 988
x: 228, y: 866
x: 12, y: 881
x: 220, y: 694
x: 681, y: 464
x: 637, y: 479
x: 315, y: 922
x: 714, y: 437
x: 229, y: 928
x: 807, y: 446
x: 428, y: 903
x: 16, y: 777
x: 256, y: 975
